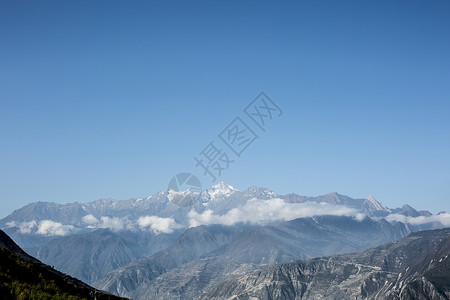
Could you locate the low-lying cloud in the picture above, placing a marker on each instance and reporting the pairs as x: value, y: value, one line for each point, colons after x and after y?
x: 153, y: 223
x: 90, y: 220
x: 260, y: 211
x: 44, y: 227
x: 158, y: 224
x: 443, y: 218
x: 24, y: 227
x: 113, y: 223
x: 48, y: 227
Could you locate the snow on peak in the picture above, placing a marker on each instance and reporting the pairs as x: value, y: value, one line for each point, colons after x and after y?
x: 172, y: 194
x: 261, y: 192
x: 221, y: 189
x: 373, y: 203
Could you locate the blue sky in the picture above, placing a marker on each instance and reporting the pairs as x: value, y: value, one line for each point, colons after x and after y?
x: 113, y: 98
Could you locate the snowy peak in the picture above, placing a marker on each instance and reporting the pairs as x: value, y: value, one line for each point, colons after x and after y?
x: 172, y: 194
x: 260, y: 192
x: 221, y: 190
x: 373, y: 204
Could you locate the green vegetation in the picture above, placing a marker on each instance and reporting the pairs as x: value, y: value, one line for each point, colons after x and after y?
x: 23, y: 280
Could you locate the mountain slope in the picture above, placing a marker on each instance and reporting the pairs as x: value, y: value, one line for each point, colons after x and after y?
x: 260, y: 246
x: 89, y: 256
x: 192, y: 244
x: 24, y: 277
x: 415, y: 267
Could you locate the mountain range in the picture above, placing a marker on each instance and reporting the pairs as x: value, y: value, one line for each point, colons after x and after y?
x: 154, y: 248
x: 415, y: 267
x: 261, y: 246
x: 39, y: 222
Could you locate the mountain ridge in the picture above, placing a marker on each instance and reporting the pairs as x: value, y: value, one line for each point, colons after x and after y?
x: 255, y: 247
x: 397, y: 270
x: 221, y: 198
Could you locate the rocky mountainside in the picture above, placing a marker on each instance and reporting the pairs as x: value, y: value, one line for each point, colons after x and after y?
x: 415, y: 267
x: 24, y: 277
x: 121, y: 244
x: 192, y: 244
x: 252, y: 248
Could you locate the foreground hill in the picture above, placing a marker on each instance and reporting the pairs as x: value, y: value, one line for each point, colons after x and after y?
x: 24, y: 277
x: 415, y: 267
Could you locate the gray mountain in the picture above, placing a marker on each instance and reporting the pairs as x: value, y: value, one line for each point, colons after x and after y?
x: 70, y: 213
x: 309, y: 237
x: 407, y: 210
x: 220, y: 198
x: 369, y: 206
x: 192, y: 244
x: 415, y: 267
x: 34, y: 225
x: 261, y: 246
x: 139, y: 229
x: 90, y: 256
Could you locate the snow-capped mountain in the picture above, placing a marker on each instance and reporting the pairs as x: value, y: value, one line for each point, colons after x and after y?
x: 158, y: 237
x: 219, y: 191
x: 370, y: 202
x: 171, y: 210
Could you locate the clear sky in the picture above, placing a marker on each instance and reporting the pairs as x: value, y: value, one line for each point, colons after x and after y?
x: 112, y: 98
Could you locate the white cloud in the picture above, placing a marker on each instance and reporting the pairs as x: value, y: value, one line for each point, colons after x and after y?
x: 444, y: 219
x: 154, y: 223
x: 258, y: 211
x: 90, y: 219
x: 158, y: 224
x: 24, y: 227
x: 48, y: 227
x: 113, y: 223
x: 360, y: 217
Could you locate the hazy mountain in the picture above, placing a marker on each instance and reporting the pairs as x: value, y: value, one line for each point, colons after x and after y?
x: 121, y: 244
x: 24, y: 277
x: 407, y: 210
x: 309, y: 237
x: 89, y: 256
x: 192, y: 244
x: 123, y: 214
x: 260, y: 246
x: 415, y: 267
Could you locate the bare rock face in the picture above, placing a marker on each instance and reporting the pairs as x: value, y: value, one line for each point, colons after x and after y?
x: 251, y: 249
x: 416, y: 267
x: 192, y: 244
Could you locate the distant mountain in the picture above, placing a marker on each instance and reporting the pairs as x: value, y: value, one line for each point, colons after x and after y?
x: 369, y: 206
x: 137, y: 247
x: 407, y: 210
x: 309, y: 237
x: 192, y: 244
x: 90, y: 256
x: 38, y: 222
x: 415, y: 267
x: 252, y: 248
x: 24, y: 277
